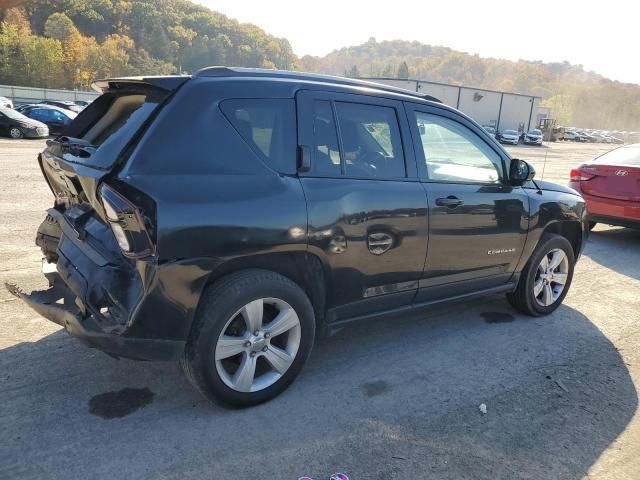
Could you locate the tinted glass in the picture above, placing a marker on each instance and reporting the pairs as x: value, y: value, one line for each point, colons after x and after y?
x: 59, y: 117
x: 371, y: 141
x: 325, y: 159
x: 268, y: 126
x: 41, y: 114
x: 453, y: 153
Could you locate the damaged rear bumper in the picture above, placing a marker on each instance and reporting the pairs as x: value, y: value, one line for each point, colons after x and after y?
x: 57, y: 305
x: 134, y: 308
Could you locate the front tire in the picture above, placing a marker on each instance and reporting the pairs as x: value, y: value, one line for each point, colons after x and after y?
x: 252, y: 334
x: 545, y: 280
x: 15, y: 132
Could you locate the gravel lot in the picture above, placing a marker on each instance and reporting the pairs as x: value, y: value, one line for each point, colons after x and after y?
x: 387, y: 400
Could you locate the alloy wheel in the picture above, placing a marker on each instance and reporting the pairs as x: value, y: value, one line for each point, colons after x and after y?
x: 551, y: 277
x: 257, y: 345
x: 15, y: 132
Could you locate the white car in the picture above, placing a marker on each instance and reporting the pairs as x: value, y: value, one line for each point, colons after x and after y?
x: 533, y: 137
x: 5, y: 102
x: 572, y: 136
x: 509, y: 136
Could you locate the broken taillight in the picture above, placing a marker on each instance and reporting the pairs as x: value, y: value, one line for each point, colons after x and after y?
x: 126, y: 222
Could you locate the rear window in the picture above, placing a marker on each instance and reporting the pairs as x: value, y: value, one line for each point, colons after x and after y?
x: 268, y: 126
x: 111, y: 122
x: 621, y: 156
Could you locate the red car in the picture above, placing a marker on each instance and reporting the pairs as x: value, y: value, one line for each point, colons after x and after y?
x: 610, y: 184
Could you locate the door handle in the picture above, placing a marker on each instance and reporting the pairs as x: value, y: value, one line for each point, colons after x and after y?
x: 450, y: 202
x: 380, y: 242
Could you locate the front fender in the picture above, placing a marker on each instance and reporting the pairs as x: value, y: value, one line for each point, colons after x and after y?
x: 553, y: 211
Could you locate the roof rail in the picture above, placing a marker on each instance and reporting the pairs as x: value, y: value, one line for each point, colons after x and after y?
x: 287, y: 74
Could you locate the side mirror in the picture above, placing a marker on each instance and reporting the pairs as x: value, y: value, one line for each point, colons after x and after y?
x: 520, y: 172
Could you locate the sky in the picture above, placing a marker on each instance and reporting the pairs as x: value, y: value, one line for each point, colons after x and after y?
x: 601, y: 36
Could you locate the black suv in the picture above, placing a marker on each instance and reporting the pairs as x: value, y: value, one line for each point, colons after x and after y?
x: 228, y: 218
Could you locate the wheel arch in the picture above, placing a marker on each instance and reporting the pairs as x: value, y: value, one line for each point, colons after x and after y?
x: 571, y: 230
x: 302, y: 268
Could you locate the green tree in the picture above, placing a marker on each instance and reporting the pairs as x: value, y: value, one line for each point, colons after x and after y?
x: 59, y: 26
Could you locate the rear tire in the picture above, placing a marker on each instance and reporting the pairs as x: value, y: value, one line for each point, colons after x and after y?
x: 229, y: 338
x: 15, y: 132
x: 541, y: 288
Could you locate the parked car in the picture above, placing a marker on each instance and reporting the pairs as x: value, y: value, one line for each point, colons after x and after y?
x: 66, y: 104
x: 533, y: 137
x: 57, y: 119
x: 574, y: 136
x: 16, y: 125
x: 509, y: 137
x: 5, y: 103
x: 599, y: 138
x: 490, y: 130
x: 22, y: 107
x: 231, y: 222
x: 82, y: 103
x: 610, y: 184
x: 615, y: 140
x: 587, y: 137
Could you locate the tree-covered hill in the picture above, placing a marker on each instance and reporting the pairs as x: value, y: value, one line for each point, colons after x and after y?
x: 70, y: 43
x: 577, y: 97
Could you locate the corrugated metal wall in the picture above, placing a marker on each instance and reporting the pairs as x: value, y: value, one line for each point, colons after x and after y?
x: 503, y: 110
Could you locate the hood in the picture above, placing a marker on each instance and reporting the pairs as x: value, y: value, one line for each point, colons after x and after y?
x: 550, y: 186
x: 30, y: 122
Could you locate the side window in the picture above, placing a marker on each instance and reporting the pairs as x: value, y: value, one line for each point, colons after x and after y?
x: 268, y: 126
x: 325, y: 158
x: 371, y: 140
x: 453, y: 153
x: 38, y: 114
x: 57, y: 116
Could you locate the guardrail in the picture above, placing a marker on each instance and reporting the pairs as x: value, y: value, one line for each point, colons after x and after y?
x: 20, y: 95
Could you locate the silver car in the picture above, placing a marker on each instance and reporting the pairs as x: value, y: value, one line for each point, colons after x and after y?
x: 509, y: 136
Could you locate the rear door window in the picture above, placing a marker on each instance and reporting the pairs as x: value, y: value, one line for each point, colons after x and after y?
x: 268, y: 126
x: 326, y: 159
x: 371, y: 141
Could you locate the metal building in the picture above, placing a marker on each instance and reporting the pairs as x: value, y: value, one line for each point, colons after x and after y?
x: 501, y: 110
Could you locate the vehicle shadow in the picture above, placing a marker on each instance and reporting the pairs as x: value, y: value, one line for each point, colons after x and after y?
x: 394, y: 399
x: 608, y: 246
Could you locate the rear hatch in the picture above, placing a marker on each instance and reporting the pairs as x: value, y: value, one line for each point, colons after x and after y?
x: 101, y: 136
x: 615, y: 175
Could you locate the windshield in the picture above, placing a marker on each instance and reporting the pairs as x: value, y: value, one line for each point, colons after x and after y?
x: 621, y: 156
x: 11, y: 113
x: 510, y: 132
x: 535, y: 132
